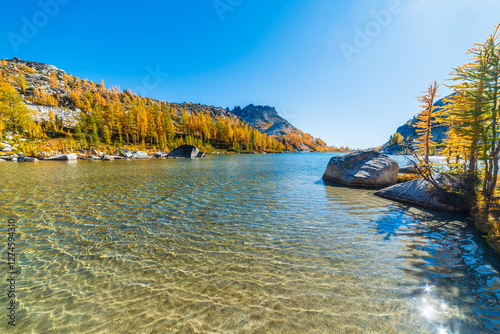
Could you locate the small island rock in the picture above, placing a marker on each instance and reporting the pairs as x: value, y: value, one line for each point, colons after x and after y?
x: 184, y: 151
x: 366, y: 168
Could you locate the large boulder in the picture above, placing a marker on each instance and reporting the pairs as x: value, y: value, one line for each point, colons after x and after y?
x: 184, y: 151
x: 422, y: 193
x: 64, y: 157
x: 363, y: 169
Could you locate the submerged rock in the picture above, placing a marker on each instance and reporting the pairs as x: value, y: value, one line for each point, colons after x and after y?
x: 184, y: 151
x: 363, y: 169
x: 421, y: 192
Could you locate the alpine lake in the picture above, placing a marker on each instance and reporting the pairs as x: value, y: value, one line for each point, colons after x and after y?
x: 234, y: 244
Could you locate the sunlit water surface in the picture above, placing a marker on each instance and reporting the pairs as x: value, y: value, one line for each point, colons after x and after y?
x: 235, y: 244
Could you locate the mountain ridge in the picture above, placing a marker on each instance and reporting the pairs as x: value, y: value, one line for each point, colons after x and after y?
x: 47, y: 90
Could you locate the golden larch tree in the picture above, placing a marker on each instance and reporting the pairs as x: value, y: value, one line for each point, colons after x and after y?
x: 425, y: 120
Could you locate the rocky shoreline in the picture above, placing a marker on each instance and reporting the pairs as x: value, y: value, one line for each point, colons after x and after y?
x: 376, y: 170
x: 373, y: 169
x: 182, y: 152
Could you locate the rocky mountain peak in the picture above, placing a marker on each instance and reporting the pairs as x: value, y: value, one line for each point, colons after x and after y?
x: 265, y: 118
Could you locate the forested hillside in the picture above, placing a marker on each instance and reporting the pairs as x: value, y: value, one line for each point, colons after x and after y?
x: 42, y: 102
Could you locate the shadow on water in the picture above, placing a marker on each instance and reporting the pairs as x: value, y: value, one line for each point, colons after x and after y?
x: 460, y: 269
x: 458, y: 272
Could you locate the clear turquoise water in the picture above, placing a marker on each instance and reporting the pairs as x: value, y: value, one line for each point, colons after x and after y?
x: 235, y: 244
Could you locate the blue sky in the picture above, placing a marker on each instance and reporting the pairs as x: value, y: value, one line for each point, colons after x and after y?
x: 306, y: 58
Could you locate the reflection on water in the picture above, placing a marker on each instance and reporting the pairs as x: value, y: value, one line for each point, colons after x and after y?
x: 248, y: 244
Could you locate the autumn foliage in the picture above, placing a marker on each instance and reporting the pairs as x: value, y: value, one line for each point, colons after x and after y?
x: 118, y: 118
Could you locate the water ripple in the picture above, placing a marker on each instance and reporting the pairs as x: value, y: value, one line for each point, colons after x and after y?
x: 247, y: 244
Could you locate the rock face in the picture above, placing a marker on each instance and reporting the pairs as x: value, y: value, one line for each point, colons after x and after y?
x: 184, y: 151
x: 363, y: 169
x: 41, y: 67
x: 421, y: 192
x: 64, y: 157
x: 41, y: 113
